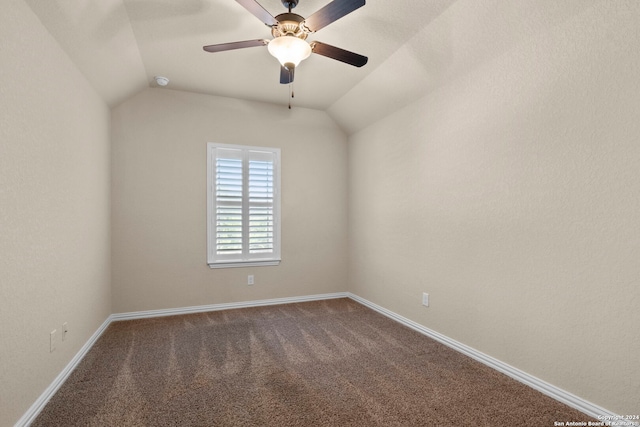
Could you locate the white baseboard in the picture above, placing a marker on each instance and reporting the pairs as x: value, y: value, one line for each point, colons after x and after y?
x: 552, y: 391
x: 224, y: 306
x: 40, y: 403
x: 544, y: 387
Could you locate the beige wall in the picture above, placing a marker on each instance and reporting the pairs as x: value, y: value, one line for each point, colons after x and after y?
x: 512, y: 196
x: 54, y: 209
x: 159, y: 164
x: 509, y: 192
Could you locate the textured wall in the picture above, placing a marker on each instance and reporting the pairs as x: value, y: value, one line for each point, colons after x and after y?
x: 159, y: 200
x: 54, y: 209
x: 511, y: 195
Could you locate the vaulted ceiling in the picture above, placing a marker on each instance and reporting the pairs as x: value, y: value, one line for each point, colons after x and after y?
x: 412, y: 45
x: 120, y: 45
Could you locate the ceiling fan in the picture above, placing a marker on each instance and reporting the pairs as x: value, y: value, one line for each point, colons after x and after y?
x: 290, y: 30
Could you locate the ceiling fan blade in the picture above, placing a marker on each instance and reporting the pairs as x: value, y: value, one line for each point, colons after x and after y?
x: 331, y: 12
x: 338, y: 54
x: 286, y: 75
x: 235, y: 45
x: 258, y: 11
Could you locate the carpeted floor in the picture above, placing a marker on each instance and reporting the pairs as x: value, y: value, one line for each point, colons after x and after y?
x: 324, y: 363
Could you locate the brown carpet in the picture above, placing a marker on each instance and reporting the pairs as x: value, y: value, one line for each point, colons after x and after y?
x: 324, y: 363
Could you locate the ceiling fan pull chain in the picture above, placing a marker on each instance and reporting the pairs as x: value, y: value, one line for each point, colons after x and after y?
x: 291, y: 94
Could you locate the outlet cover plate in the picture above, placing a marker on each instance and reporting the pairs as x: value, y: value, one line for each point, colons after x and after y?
x: 52, y: 340
x: 425, y: 299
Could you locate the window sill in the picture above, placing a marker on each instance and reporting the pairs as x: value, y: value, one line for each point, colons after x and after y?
x: 244, y: 264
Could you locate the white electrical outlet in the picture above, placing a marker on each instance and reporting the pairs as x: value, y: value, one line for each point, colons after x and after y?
x: 52, y: 340
x: 65, y: 329
x: 250, y: 279
x: 425, y: 299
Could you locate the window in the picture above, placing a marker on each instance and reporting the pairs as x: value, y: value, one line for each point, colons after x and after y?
x: 243, y: 206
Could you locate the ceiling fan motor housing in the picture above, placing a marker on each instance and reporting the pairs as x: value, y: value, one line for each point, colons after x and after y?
x: 289, y: 24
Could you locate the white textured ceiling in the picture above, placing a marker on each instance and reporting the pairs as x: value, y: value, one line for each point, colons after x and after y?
x: 414, y: 47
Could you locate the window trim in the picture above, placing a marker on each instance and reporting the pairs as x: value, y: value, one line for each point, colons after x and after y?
x: 275, y: 259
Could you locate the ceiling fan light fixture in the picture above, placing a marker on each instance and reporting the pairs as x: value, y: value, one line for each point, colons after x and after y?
x: 289, y: 50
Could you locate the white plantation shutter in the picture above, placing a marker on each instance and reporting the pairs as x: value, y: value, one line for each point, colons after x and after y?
x: 243, y: 205
x: 261, y: 203
x: 228, y: 190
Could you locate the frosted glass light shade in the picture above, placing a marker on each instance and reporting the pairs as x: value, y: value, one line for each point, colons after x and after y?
x: 289, y: 50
